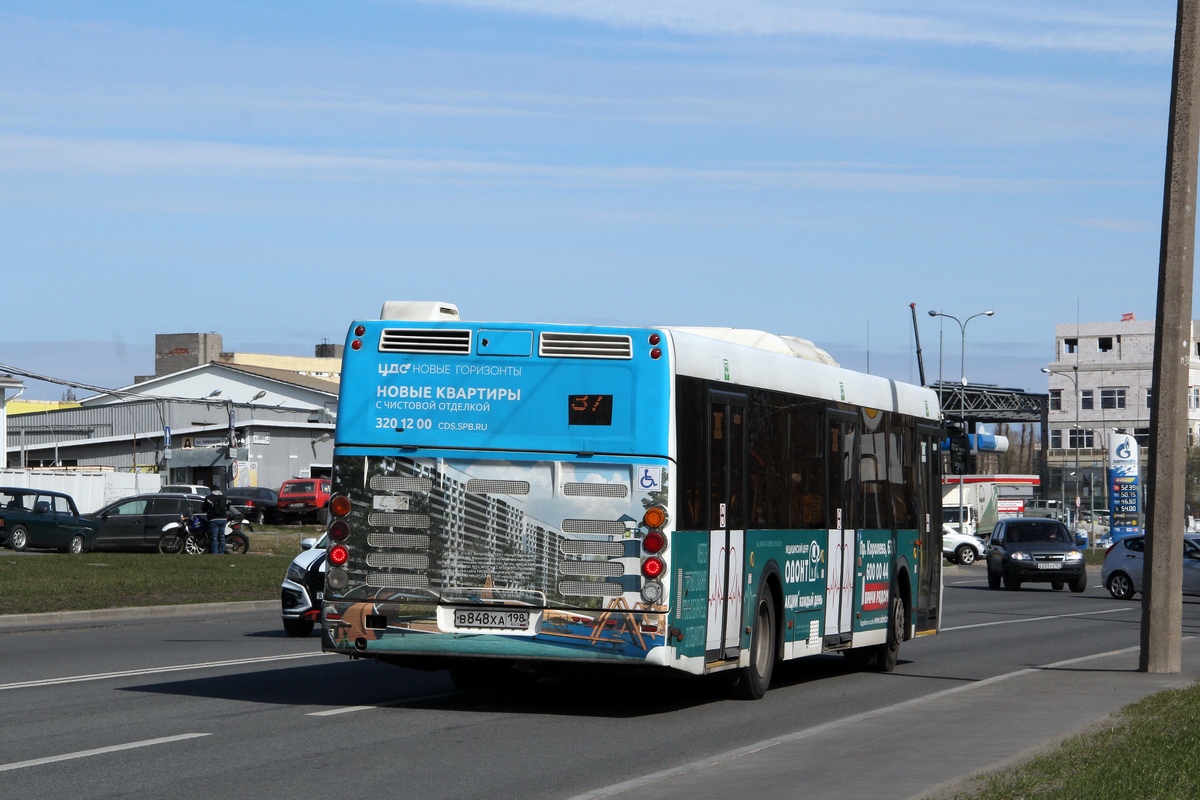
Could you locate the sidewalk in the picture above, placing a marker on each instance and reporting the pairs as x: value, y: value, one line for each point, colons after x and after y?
x: 919, y: 748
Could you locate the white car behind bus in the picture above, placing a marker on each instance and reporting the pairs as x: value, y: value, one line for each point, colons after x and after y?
x: 304, y: 588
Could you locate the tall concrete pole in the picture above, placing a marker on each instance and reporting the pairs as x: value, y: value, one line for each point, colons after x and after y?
x: 1162, y: 588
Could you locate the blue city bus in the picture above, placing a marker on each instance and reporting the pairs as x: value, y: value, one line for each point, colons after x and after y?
x: 514, y: 498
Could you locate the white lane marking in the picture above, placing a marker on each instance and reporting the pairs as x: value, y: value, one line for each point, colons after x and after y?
x: 1039, y: 619
x: 334, y: 711
x: 101, y: 676
x: 644, y: 780
x: 390, y: 704
x: 35, y: 762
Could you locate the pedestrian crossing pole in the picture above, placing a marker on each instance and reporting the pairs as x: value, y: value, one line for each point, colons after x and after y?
x: 1162, y: 583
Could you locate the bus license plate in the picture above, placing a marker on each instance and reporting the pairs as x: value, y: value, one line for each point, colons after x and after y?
x: 491, y: 619
x: 1049, y: 565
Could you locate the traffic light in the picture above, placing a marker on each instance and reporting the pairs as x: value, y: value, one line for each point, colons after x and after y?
x: 960, y: 448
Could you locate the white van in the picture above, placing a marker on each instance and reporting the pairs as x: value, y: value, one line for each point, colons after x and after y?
x: 187, y: 488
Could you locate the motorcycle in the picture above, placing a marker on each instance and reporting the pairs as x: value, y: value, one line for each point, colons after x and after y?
x: 191, y: 535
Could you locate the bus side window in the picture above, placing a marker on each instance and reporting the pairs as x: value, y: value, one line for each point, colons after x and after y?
x: 692, y: 427
x: 806, y: 470
x: 904, y: 491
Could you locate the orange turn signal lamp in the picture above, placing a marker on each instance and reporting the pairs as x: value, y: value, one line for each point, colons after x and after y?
x: 339, y: 505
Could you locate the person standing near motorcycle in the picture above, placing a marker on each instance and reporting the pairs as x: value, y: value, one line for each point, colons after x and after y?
x: 216, y: 508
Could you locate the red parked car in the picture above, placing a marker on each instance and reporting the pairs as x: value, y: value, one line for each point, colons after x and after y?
x: 304, y: 500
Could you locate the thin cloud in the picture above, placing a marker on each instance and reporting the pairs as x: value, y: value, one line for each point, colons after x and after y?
x: 1032, y: 27
x: 111, y: 157
x: 1115, y: 225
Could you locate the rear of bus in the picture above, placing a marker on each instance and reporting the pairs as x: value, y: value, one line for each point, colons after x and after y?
x: 500, y: 493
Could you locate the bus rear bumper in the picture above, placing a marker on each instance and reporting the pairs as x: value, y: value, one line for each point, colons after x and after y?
x: 356, y: 629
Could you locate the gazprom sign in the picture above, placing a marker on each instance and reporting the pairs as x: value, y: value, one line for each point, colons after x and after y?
x: 1124, y: 461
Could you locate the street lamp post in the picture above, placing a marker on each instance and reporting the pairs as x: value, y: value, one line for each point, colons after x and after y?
x: 1076, y: 434
x: 962, y: 398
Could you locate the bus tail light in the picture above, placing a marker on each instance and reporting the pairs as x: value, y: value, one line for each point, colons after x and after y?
x: 652, y: 592
x: 652, y: 567
x: 339, y: 531
x: 339, y: 554
x: 655, y: 517
x: 654, y: 542
x: 339, y: 505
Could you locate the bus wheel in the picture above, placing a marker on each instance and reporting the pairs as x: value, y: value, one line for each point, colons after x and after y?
x: 754, y: 680
x: 888, y: 654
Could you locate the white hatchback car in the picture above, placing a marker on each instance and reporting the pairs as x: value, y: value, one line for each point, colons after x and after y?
x: 961, y: 548
x: 303, y: 588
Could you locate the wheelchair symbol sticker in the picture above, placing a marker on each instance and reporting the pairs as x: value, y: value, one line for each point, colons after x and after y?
x: 649, y: 479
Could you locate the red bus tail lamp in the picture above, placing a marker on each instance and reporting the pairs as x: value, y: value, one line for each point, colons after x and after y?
x: 653, y: 566
x: 339, y: 531
x: 339, y: 505
x: 654, y: 542
x: 339, y: 554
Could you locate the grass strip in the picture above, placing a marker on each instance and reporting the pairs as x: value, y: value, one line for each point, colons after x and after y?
x: 1146, y: 750
x: 40, y: 582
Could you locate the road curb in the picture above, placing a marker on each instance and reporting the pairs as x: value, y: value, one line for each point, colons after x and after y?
x: 102, y: 616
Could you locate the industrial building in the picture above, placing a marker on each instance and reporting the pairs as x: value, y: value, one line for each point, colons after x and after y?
x: 205, y: 416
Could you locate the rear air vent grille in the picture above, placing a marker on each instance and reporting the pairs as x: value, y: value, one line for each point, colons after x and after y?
x: 417, y: 540
x: 595, y: 489
x: 480, y: 486
x: 388, y: 520
x: 425, y: 340
x: 400, y: 560
x: 598, y: 569
x: 601, y: 527
x: 584, y: 345
x: 390, y: 483
x: 591, y: 547
x: 392, y: 580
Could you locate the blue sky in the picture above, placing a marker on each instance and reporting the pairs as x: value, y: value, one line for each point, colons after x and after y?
x: 273, y: 170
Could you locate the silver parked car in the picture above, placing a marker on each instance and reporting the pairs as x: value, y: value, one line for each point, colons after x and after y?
x: 1122, y: 570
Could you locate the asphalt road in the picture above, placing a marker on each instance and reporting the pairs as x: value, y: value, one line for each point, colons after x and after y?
x: 230, y: 707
